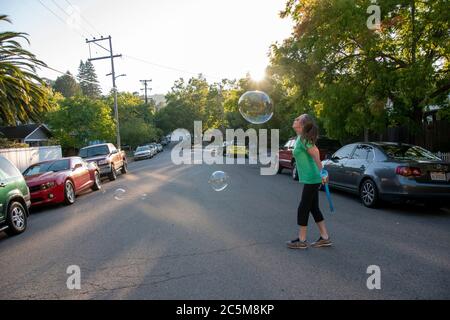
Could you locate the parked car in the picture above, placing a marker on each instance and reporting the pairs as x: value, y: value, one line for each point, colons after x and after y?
x: 160, y: 147
x: 107, y: 157
x: 235, y: 149
x: 14, y: 199
x: 60, y: 181
x: 389, y: 171
x: 155, y: 146
x: 286, y: 161
x: 143, y: 152
x: 164, y: 141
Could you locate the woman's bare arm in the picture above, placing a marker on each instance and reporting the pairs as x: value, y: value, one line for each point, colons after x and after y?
x: 315, y: 154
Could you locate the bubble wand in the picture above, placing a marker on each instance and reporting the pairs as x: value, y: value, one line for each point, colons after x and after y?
x: 324, y: 174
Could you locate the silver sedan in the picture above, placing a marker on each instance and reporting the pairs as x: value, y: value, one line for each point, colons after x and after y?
x: 389, y: 171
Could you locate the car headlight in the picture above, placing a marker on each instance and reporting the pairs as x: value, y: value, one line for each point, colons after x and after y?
x: 47, y: 185
x: 92, y: 164
x: 102, y: 162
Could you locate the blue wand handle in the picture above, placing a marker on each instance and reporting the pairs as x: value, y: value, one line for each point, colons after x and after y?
x: 324, y: 174
x: 327, y: 190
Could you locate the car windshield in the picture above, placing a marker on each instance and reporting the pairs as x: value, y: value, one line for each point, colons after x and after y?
x: 51, y: 166
x: 142, y: 149
x: 405, y: 152
x: 94, y: 151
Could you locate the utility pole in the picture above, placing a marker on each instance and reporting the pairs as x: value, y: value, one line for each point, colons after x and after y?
x: 145, y: 89
x: 113, y: 75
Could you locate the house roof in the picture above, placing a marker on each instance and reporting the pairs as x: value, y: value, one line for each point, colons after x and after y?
x: 22, y: 131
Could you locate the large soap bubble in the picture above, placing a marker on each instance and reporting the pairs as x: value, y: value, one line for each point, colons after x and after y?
x: 256, y: 107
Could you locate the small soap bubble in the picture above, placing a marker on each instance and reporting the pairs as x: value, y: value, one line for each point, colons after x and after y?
x: 219, y: 181
x: 119, y: 194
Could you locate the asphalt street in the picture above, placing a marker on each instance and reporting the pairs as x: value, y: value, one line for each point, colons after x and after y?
x: 171, y: 236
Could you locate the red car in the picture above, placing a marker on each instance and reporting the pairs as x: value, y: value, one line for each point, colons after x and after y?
x: 59, y: 181
x: 286, y: 161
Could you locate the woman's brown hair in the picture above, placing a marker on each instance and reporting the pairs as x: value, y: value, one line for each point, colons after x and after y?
x: 310, y: 129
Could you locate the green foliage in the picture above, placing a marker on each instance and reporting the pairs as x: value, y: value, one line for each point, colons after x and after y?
x: 23, y: 95
x: 87, y: 77
x: 79, y: 120
x: 5, y: 144
x: 347, y: 73
x: 136, y: 119
x: 67, y: 85
x: 135, y: 132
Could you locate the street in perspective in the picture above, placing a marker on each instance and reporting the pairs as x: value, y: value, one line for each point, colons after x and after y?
x: 224, y: 150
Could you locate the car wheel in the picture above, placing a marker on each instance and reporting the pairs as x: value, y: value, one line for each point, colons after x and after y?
x: 434, y: 205
x: 369, y: 194
x: 280, y: 169
x: 294, y: 171
x: 16, y: 219
x: 113, y: 174
x: 124, y: 169
x: 97, y: 184
x: 69, y: 193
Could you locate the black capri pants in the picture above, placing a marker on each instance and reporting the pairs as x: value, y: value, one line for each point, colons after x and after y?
x: 309, y: 203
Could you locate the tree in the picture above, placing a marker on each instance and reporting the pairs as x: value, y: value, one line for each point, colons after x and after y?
x: 349, y: 75
x: 88, y: 80
x: 67, y: 85
x: 135, y: 132
x: 80, y: 120
x: 137, y: 119
x: 23, y: 95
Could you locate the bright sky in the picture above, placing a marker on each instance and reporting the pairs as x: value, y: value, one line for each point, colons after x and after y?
x: 219, y: 38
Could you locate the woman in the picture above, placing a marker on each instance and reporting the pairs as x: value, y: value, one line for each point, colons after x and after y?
x: 309, y: 167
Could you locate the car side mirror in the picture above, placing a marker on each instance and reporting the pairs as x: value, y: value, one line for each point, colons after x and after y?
x: 77, y: 166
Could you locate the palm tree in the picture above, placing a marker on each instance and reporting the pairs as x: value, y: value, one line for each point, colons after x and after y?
x: 23, y: 95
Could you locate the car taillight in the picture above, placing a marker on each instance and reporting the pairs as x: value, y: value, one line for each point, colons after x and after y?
x: 408, y: 171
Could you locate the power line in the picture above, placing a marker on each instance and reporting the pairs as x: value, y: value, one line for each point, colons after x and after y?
x: 64, y: 11
x: 64, y: 21
x: 68, y: 15
x: 82, y: 17
x: 128, y: 56
x: 171, y: 68
x: 56, y: 15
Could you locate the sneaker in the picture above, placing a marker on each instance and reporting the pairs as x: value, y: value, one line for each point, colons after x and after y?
x: 297, y: 244
x: 322, y: 243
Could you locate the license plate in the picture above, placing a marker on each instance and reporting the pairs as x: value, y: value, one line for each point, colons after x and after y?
x: 438, y: 176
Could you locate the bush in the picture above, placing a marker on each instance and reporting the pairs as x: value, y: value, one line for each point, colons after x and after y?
x: 6, y: 144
